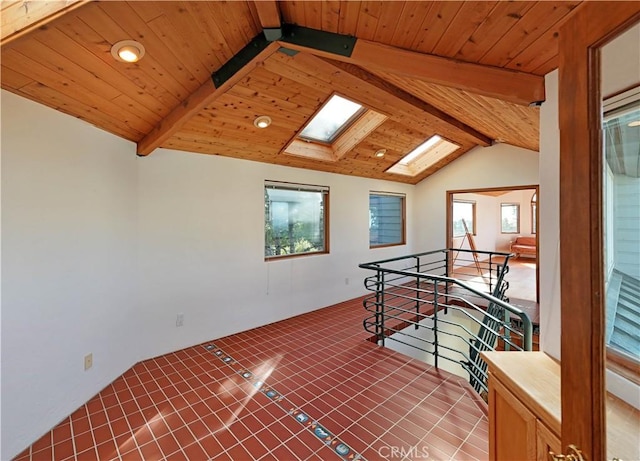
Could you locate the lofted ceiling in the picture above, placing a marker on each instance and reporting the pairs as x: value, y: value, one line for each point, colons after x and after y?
x: 469, y: 71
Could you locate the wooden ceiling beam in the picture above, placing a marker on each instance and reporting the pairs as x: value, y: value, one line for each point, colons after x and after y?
x: 194, y: 103
x: 383, y: 85
x: 268, y: 13
x: 21, y: 17
x: 495, y: 82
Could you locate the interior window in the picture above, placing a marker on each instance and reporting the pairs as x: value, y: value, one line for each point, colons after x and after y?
x: 295, y: 218
x: 510, y: 218
x: 464, y: 213
x: 386, y: 219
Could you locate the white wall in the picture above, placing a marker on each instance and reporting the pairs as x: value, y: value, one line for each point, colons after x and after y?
x: 549, y: 225
x: 101, y: 250
x: 68, y: 266
x: 496, y: 166
x: 202, y: 247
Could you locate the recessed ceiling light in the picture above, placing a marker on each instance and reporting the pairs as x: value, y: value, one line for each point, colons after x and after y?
x: 128, y: 51
x: 634, y: 123
x: 380, y: 153
x: 263, y: 121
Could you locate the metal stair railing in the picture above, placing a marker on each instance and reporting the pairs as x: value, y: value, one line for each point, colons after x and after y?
x: 415, y: 303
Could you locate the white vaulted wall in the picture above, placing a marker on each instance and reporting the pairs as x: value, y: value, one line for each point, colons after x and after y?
x: 501, y: 165
x: 202, y: 247
x: 101, y: 250
x: 69, y: 266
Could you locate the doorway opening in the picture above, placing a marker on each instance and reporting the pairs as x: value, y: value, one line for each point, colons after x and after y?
x: 503, y: 219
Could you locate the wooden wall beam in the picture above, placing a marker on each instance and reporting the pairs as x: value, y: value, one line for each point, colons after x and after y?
x: 21, y: 17
x: 194, y: 103
x: 268, y: 13
x: 495, y: 82
x: 477, y: 137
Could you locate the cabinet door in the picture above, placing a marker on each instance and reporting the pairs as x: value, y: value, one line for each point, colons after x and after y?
x: 547, y: 440
x: 512, y: 427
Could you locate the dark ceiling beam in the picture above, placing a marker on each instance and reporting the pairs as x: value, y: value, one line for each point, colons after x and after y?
x: 222, y: 80
x: 383, y: 85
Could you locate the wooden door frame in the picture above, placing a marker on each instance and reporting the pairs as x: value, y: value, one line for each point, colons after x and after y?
x: 581, y: 246
x: 449, y: 214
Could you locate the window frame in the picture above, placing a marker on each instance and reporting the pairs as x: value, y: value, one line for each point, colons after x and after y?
x: 325, y: 193
x: 502, y: 207
x: 403, y: 218
x: 473, y: 211
x: 617, y: 361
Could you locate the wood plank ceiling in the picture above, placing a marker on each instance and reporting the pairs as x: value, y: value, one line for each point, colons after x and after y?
x: 463, y: 70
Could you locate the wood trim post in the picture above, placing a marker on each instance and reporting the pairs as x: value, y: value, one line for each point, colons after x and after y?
x: 581, y: 245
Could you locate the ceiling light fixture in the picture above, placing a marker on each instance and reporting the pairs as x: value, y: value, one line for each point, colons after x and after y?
x: 634, y: 123
x: 128, y: 51
x: 263, y: 121
x: 380, y: 153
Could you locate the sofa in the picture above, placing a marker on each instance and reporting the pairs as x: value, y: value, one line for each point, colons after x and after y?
x: 524, y: 246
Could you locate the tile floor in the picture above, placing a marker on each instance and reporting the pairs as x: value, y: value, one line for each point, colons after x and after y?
x: 309, y: 388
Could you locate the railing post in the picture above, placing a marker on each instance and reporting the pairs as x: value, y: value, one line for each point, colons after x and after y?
x: 380, y: 309
x: 378, y: 296
x: 435, y: 321
x: 490, y: 273
x: 446, y: 285
x: 417, y: 291
x: 506, y: 321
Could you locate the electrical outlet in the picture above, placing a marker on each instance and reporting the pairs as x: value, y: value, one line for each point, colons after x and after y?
x: 180, y: 320
x: 88, y: 361
x: 347, y: 281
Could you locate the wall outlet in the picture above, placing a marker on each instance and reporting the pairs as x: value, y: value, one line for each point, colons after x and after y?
x: 88, y: 361
x: 180, y: 320
x: 347, y: 281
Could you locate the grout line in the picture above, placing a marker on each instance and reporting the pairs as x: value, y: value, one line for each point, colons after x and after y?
x: 324, y: 435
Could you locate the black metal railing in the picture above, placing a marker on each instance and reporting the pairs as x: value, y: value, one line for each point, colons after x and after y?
x: 449, y: 296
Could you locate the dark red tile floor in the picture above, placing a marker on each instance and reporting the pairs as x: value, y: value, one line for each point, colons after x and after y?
x: 307, y: 388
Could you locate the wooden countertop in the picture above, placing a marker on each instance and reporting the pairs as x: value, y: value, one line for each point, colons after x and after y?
x: 534, y: 379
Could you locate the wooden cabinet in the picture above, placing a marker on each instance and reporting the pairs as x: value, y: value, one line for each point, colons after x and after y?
x: 524, y: 411
x: 546, y: 441
x: 524, y: 406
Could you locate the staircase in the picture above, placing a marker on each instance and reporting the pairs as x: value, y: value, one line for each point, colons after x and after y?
x: 414, y: 298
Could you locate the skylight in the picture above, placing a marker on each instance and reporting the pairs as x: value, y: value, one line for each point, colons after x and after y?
x: 425, y: 155
x: 422, y: 148
x: 334, y: 117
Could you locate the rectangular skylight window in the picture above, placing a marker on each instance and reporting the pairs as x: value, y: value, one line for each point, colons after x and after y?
x: 421, y: 149
x: 331, y: 120
x: 425, y: 155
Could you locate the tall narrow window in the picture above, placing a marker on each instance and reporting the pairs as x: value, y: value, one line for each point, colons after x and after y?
x: 464, y: 214
x: 534, y: 213
x: 295, y: 219
x: 386, y: 219
x: 510, y: 218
